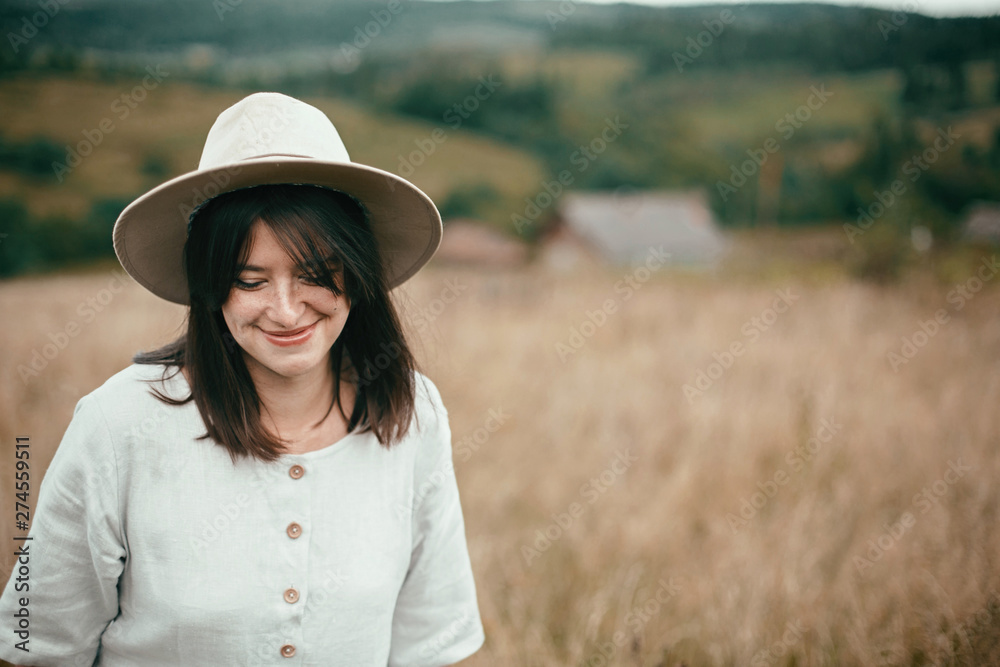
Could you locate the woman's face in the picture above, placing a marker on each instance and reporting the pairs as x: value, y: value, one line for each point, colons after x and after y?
x: 284, y: 323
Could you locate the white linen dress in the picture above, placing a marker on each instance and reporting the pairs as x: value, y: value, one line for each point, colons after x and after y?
x: 150, y: 547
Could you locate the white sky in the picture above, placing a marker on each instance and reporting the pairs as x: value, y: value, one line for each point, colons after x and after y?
x: 929, y: 7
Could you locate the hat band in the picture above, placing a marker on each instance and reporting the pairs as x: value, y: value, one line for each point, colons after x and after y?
x: 258, y: 157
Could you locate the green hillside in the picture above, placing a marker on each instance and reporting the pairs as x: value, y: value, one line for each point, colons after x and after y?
x: 163, y: 137
x: 787, y: 115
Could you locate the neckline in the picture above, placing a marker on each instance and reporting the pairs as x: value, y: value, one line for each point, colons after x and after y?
x: 285, y: 456
x: 322, y: 451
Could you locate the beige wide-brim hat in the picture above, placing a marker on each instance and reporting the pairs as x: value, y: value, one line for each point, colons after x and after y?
x: 269, y: 138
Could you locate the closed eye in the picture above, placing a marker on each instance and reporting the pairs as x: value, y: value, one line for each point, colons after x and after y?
x: 242, y: 284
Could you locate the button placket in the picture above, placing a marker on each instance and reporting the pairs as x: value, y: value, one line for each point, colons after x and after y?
x: 294, y: 529
x: 295, y: 495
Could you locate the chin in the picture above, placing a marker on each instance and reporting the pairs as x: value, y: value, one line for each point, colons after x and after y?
x: 289, y: 368
x: 296, y: 370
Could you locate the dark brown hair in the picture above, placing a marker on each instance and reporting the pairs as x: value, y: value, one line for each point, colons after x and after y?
x: 312, y: 224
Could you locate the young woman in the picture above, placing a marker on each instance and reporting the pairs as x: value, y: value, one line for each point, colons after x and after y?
x: 276, y: 486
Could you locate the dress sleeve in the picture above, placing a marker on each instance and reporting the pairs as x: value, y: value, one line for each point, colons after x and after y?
x: 76, y: 552
x: 436, y: 620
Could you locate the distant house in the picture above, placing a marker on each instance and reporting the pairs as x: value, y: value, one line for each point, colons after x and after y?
x: 621, y: 228
x: 472, y: 242
x: 982, y: 223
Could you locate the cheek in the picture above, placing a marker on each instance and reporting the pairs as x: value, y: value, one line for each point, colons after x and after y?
x: 238, y: 311
x: 227, y: 317
x: 326, y: 302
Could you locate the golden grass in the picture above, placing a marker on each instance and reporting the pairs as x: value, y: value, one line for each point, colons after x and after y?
x: 660, y: 525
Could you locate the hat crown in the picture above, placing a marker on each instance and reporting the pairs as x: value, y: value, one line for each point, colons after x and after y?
x: 268, y: 124
x: 271, y: 139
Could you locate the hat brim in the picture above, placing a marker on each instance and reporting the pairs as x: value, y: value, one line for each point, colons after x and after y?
x: 150, y: 233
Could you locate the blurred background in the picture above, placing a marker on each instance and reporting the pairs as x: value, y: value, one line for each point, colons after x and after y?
x: 715, y: 314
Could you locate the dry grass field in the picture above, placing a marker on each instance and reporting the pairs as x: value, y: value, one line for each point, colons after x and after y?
x: 804, y: 503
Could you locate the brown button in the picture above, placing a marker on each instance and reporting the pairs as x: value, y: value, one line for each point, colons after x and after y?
x: 287, y: 651
x: 295, y: 472
x: 294, y: 530
x: 291, y: 595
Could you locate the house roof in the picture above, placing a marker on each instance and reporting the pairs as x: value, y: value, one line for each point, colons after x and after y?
x: 982, y: 222
x: 473, y: 242
x: 623, y: 227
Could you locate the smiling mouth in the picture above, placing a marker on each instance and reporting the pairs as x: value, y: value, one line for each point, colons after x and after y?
x: 294, y: 337
x: 293, y: 332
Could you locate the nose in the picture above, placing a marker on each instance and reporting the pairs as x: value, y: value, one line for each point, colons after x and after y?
x: 286, y: 306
